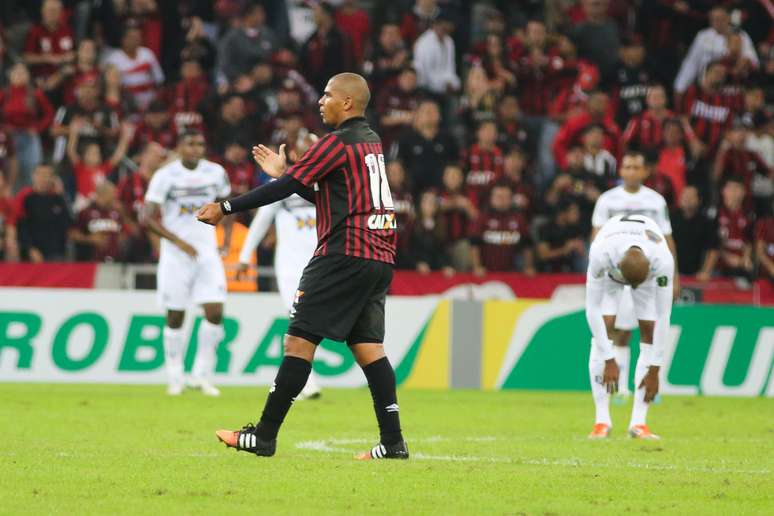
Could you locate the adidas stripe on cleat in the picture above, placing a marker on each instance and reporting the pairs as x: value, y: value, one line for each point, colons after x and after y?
x: 246, y: 440
x: 386, y: 451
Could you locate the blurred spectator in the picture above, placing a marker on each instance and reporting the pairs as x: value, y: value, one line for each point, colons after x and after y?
x: 710, y: 107
x: 7, y: 59
x: 734, y: 160
x: 50, y: 45
x: 710, y: 45
x: 597, y: 37
x: 85, y: 70
x: 645, y: 131
x: 425, y: 149
x: 141, y: 74
x: 739, y: 66
x: 735, y: 228
x: 9, y: 167
x: 513, y: 130
x: 44, y: 219
x: 764, y: 247
x: 240, y: 168
x: 596, y: 159
x: 583, y: 186
x: 479, y: 102
x: 760, y: 139
x: 396, y: 105
x: 483, y: 162
x: 494, y: 62
x: 597, y: 113
x: 89, y: 169
x: 404, y: 211
x: 538, y: 65
x: 9, y: 247
x: 115, y: 96
x: 428, y: 237
x: 514, y: 167
x: 246, y: 44
x: 676, y: 159
x: 189, y: 96
x: 419, y: 19
x: 434, y: 58
x: 657, y: 180
x: 355, y: 23
x: 96, y: 122
x: 101, y: 231
x: 26, y: 112
x: 561, y: 245
x: 328, y: 51
x: 571, y: 99
x: 501, y: 236
x: 695, y: 235
x: 389, y: 57
x: 156, y: 126
x: 145, y: 15
x: 630, y: 80
x: 458, y: 214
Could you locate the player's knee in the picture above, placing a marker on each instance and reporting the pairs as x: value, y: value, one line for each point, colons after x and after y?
x: 646, y: 331
x: 298, y: 347
x: 175, y: 319
x: 214, y: 315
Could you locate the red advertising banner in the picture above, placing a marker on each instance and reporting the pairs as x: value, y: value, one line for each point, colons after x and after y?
x: 50, y: 275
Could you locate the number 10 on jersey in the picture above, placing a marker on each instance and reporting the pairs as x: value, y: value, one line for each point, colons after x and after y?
x: 380, y: 188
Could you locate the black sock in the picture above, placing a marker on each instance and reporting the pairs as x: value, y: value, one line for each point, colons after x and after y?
x: 291, y: 378
x: 381, y: 381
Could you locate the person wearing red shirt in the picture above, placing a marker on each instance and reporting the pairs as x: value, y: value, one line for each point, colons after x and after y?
x: 645, y: 132
x: 50, y: 44
x: 419, y: 19
x: 404, y: 211
x: 676, y: 159
x: 188, y: 95
x: 484, y: 164
x: 84, y: 71
x: 8, y: 164
x: 156, y: 126
x: 26, y: 112
x: 735, y: 160
x: 9, y: 246
x: 500, y: 236
x: 241, y: 170
x: 458, y: 214
x: 514, y: 167
x: 101, y: 230
x: 735, y: 230
x: 395, y: 106
x: 356, y: 24
x: 90, y: 171
x: 537, y: 67
x: 597, y: 112
x: 572, y: 100
x: 764, y: 247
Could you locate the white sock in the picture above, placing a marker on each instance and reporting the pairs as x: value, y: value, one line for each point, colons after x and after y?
x: 640, y: 408
x: 209, y: 337
x: 173, y: 353
x: 623, y: 356
x: 598, y: 390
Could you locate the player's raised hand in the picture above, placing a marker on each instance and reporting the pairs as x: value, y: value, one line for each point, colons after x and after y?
x: 610, y: 376
x: 210, y: 214
x: 650, y: 383
x: 271, y: 162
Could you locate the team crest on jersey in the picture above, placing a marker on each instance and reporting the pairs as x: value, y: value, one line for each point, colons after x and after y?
x: 652, y: 236
x: 382, y: 221
x: 662, y: 281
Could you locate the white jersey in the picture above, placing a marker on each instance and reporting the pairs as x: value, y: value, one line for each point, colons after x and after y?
x: 644, y: 201
x: 139, y: 75
x: 181, y: 192
x: 605, y: 283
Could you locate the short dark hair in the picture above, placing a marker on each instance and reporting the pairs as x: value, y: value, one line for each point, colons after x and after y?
x: 634, y: 153
x: 188, y: 132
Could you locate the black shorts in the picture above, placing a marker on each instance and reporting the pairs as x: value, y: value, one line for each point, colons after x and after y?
x: 341, y: 298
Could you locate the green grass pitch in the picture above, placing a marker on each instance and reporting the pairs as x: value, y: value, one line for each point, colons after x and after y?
x: 97, y: 449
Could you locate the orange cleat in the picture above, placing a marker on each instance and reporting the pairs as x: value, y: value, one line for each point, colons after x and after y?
x: 247, y: 440
x: 642, y: 432
x: 385, y: 451
x: 600, y: 431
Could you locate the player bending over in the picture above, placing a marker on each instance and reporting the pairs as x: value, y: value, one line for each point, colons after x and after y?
x: 190, y: 270
x: 342, y: 291
x: 629, y: 250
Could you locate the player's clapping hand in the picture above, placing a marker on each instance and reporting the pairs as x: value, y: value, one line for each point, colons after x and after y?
x: 610, y: 376
x: 650, y: 383
x: 210, y: 214
x: 272, y: 163
x: 186, y: 248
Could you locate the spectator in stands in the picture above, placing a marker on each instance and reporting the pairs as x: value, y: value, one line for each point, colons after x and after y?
x: 734, y: 160
x: 425, y: 149
x: 764, y: 247
x: 428, y: 237
x: 739, y: 66
x: 89, y: 168
x: 404, y: 211
x: 396, y: 105
x: 9, y: 167
x: 501, y: 237
x: 156, y: 126
x: 578, y: 183
x: 189, y: 96
x: 572, y: 98
x: 735, y: 228
x: 356, y: 25
x: 676, y: 159
x: 597, y: 37
x: 102, y: 230
x: 141, y: 74
x: 240, y: 168
x: 434, y: 58
x: 479, y: 102
x: 115, y: 96
x: 7, y: 59
x: 246, y: 44
x: 695, y: 235
x: 44, y: 219
x: 631, y: 79
x: 328, y: 51
x: 389, y: 57
x: 710, y: 45
x: 419, y: 19
x: 50, y: 45
x: 645, y: 131
x: 561, y: 245
x: 9, y: 247
x: 458, y: 214
x: 85, y: 70
x: 514, y: 167
x: 538, y: 65
x: 26, y: 112
x: 513, y: 130
x: 483, y: 162
x: 596, y: 158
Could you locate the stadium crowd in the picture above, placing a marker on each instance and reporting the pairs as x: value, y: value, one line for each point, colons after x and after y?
x: 502, y: 121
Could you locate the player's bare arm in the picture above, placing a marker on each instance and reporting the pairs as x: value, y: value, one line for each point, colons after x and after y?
x: 151, y: 220
x: 673, y: 249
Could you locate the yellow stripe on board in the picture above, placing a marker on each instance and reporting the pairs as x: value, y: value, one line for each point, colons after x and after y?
x: 431, y: 369
x: 499, y: 323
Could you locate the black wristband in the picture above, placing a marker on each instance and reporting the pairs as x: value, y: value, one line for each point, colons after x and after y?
x: 225, y: 207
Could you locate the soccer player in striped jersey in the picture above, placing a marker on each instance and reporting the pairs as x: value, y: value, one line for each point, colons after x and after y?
x: 342, y: 291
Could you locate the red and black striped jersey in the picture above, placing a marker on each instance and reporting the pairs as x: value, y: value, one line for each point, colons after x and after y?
x: 355, y: 210
x: 645, y: 132
x: 711, y: 112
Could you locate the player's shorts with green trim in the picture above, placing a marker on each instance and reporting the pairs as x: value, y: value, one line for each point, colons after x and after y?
x: 341, y: 298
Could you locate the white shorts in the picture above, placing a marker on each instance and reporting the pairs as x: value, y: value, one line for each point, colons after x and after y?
x: 625, y: 319
x: 183, y: 281
x: 629, y: 305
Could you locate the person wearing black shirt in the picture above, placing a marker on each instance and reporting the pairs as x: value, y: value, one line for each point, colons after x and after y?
x: 696, y: 236
x: 46, y: 219
x: 561, y: 247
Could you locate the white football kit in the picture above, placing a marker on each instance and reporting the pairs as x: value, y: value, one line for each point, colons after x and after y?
x: 295, y: 222
x: 182, y: 280
x: 617, y: 201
